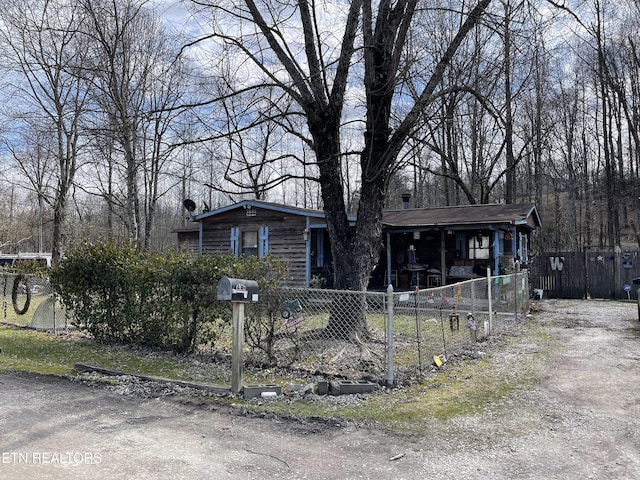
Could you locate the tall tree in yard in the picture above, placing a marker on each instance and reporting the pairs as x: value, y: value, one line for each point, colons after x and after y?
x: 137, y: 84
x: 42, y: 54
x: 319, y: 68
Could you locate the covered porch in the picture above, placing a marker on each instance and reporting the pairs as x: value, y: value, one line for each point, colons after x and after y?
x: 428, y: 248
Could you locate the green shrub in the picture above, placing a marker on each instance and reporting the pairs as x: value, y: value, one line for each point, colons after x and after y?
x: 100, y: 284
x: 120, y: 294
x: 186, y: 289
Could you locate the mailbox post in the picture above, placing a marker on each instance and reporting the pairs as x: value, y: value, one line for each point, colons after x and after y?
x: 238, y: 292
x: 636, y: 281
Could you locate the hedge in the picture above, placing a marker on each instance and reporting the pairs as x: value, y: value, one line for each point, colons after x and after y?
x: 120, y: 294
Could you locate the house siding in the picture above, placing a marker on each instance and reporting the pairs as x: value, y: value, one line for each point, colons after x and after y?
x: 189, y: 240
x: 286, y: 237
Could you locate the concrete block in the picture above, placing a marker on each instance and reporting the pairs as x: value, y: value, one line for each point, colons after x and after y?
x: 322, y: 387
x: 358, y: 386
x: 252, y: 391
x: 346, y: 387
x: 334, y: 387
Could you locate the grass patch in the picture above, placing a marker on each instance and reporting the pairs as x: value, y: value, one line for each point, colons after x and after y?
x: 39, y: 352
x: 461, y: 388
x: 10, y: 316
x: 27, y: 350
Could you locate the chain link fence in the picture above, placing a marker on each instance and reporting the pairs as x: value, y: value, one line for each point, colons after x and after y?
x: 433, y: 325
x: 332, y: 332
x: 346, y: 333
x: 29, y: 301
x: 335, y: 333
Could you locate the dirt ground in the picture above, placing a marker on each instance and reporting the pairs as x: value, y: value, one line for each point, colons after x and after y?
x: 580, y: 421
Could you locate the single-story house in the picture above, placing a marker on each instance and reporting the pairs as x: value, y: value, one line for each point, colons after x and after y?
x: 421, y: 246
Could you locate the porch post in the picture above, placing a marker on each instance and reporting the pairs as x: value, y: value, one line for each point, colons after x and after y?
x: 496, y: 252
x: 443, y: 258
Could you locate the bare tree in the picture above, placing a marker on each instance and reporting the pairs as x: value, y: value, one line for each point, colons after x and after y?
x: 138, y: 83
x: 619, y: 77
x: 314, y: 70
x: 119, y: 67
x: 40, y: 40
x: 164, y: 125
x: 255, y: 142
x: 474, y: 132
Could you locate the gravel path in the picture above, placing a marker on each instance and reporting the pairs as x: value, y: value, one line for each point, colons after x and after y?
x: 582, y: 421
x: 579, y: 420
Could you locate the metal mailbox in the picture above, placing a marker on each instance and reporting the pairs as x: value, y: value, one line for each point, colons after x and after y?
x: 238, y: 290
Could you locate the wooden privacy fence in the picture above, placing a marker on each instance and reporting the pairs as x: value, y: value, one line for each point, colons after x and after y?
x: 592, y: 273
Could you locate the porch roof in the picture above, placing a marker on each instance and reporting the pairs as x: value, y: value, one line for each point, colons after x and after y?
x: 521, y: 214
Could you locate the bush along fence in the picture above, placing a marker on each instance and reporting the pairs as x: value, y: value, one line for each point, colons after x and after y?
x: 387, y: 337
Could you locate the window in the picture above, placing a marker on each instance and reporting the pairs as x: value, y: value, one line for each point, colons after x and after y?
x: 235, y: 241
x: 479, y: 247
x: 249, y: 243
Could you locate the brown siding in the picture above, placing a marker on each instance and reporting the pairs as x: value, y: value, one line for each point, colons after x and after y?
x: 286, y: 239
x: 189, y: 240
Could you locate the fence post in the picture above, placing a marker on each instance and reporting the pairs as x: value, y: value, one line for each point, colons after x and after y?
x: 390, y: 334
x: 525, y: 291
x: 473, y: 295
x: 515, y: 278
x: 490, y: 296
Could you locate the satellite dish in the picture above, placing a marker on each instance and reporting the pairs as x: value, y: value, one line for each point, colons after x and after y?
x: 189, y: 204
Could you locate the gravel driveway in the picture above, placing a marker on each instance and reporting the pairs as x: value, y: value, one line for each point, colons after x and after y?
x: 580, y: 421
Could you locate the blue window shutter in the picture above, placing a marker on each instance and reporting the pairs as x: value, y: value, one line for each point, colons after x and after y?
x: 263, y: 241
x: 235, y: 241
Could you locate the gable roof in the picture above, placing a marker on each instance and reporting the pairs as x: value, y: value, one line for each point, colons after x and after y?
x: 511, y: 213
x: 305, y: 212
x: 522, y: 214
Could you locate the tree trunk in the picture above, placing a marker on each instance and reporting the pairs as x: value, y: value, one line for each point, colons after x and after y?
x: 510, y: 190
